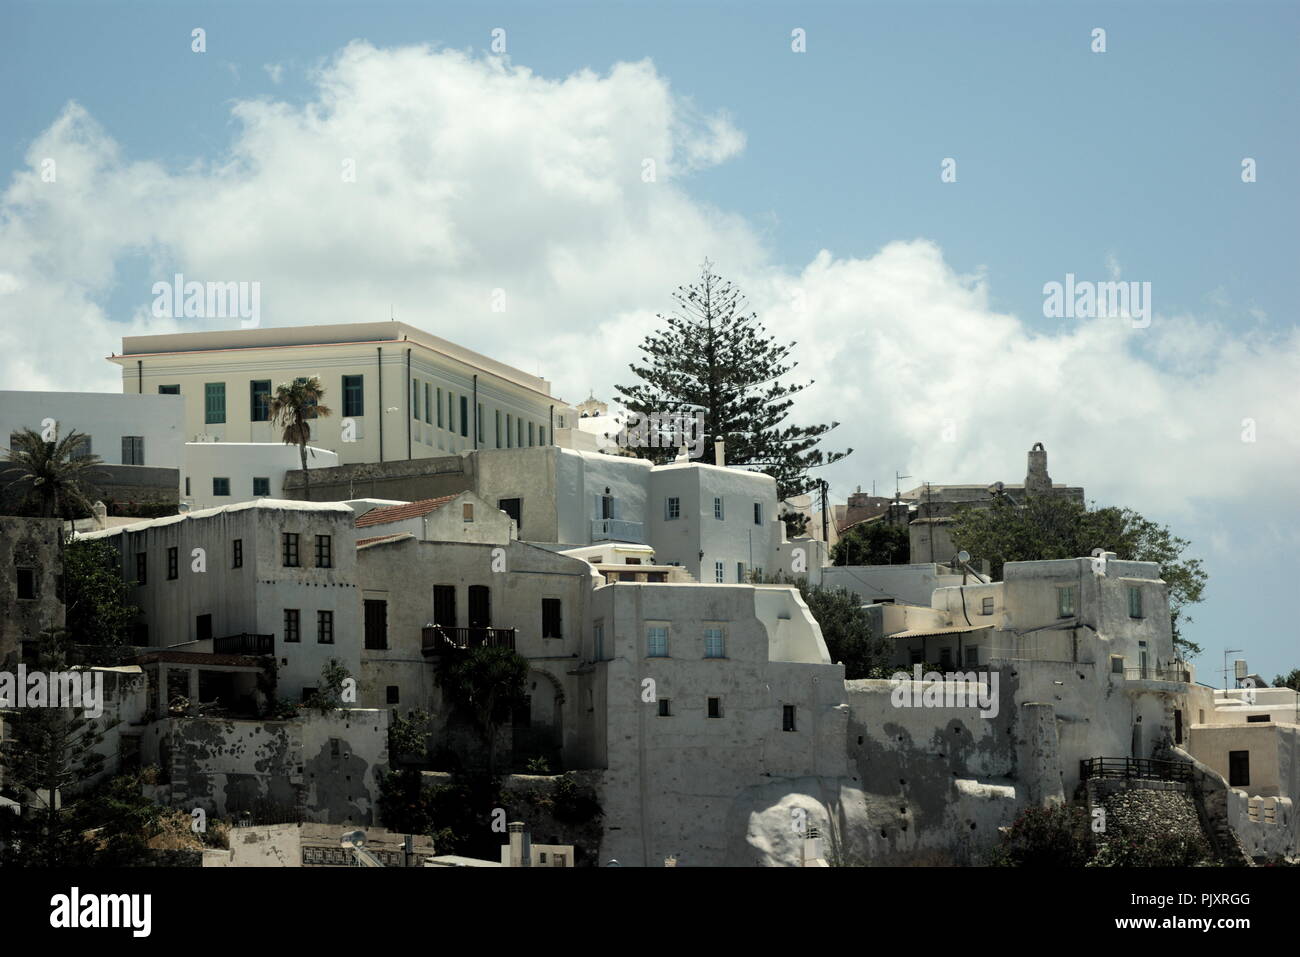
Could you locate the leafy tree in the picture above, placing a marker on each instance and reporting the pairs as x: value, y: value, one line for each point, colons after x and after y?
x: 46, y: 753
x: 796, y: 524
x: 331, y: 690
x: 99, y: 610
x: 872, y: 543
x: 1049, y: 527
x: 845, y: 627
x: 715, y: 357
x: 408, y: 734
x: 1055, y: 836
x: 488, y: 684
x: 293, y: 407
x: 1291, y: 680
x: 54, y: 473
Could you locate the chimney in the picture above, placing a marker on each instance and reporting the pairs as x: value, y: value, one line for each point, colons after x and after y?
x: 521, y: 851
x: 100, y: 511
x: 812, y: 848
x: 719, y: 452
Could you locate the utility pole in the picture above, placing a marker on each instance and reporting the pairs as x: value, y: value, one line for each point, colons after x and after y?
x: 929, y: 514
x: 897, y: 477
x: 826, y: 535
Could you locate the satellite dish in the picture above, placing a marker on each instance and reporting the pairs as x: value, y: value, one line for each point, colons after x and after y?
x: 353, y: 839
x: 963, y: 556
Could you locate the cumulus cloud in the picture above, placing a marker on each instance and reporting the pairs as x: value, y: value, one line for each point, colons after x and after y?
x: 427, y: 180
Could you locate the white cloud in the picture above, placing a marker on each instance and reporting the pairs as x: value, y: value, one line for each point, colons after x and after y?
x: 474, y: 174
x: 275, y: 71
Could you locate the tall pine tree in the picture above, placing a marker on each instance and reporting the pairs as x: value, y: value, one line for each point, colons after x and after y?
x: 714, y: 357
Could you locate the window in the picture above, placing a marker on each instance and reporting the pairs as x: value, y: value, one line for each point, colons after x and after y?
x: 1116, y: 664
x: 237, y: 553
x: 1239, y: 769
x: 415, y: 398
x: 606, y: 505
x: 451, y: 411
x: 530, y: 435
x: 467, y: 512
x: 714, y: 644
x: 498, y: 421
x: 27, y: 584
x: 551, y: 618
x: 519, y: 432
x: 169, y: 390
x: 972, y: 653
x: 444, y: 605
x: 324, y: 551
x: 740, y: 573
x: 1134, y: 601
x: 717, y: 509
x: 376, y: 622
x: 718, y: 572
x: 187, y: 485
x: 428, y: 412
x: 203, y: 628
x: 541, y: 435
x: 439, y: 397
x: 480, y: 606
x: 478, y: 424
x: 787, y: 717
x: 986, y: 606
x: 220, y: 486
x: 656, y: 641
x: 758, y: 513
x: 672, y: 508
x: 1065, y: 602
x: 82, y: 450
x: 324, y: 627
x: 1258, y: 718
x: 510, y: 442
x: 173, y: 561
x: 665, y: 708
x: 513, y: 507
x: 261, y: 486
x: 598, y: 641
x: 133, y: 450
x: 464, y: 416
x: 354, y: 395
x: 292, y: 621
x: 259, y: 400
x: 141, y: 568
x: 214, y: 403
x: 289, y: 549
x: 715, y: 707
x: 394, y: 696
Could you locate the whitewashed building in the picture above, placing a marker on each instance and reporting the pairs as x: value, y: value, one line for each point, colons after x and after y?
x: 265, y: 573
x: 222, y: 473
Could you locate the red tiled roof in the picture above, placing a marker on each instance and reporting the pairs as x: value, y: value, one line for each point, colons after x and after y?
x: 395, y: 513
x: 397, y: 536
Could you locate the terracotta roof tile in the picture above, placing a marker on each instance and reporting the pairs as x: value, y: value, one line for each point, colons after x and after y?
x: 397, y: 536
x: 395, y: 513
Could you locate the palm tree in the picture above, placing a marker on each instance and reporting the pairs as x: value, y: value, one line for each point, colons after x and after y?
x: 294, y: 406
x: 54, y: 471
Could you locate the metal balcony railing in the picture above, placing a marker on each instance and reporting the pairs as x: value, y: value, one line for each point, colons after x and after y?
x: 436, y: 639
x: 1158, y: 674
x: 244, y: 644
x: 1148, y: 769
x: 617, y: 530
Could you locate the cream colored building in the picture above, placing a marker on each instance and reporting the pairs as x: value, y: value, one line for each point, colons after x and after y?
x: 396, y: 392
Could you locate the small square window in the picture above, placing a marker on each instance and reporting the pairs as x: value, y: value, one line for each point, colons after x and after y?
x: 467, y: 512
x: 715, y: 707
x: 393, y: 695
x: 986, y: 606
x: 261, y: 486
x: 714, y: 643
x: 787, y: 717
x: 665, y: 708
x: 656, y: 641
x: 220, y: 486
x: 672, y: 508
x: 1116, y: 665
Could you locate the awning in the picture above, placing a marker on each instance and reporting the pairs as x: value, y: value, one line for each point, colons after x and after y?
x: 936, y: 632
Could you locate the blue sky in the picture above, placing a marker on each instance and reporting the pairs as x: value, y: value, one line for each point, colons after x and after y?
x: 1117, y: 164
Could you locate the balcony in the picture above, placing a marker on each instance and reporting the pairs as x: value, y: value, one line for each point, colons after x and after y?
x: 1181, y: 675
x: 437, y: 639
x: 244, y: 644
x: 616, y: 530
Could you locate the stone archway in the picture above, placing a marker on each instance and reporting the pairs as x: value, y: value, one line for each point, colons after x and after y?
x: 539, y: 732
